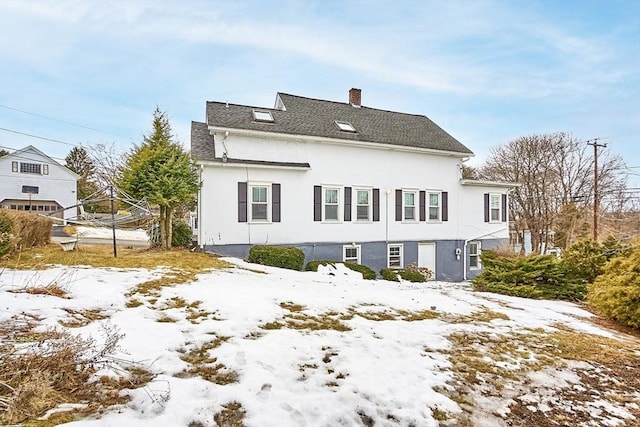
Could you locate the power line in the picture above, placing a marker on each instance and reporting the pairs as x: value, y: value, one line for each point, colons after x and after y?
x: 61, y: 121
x: 39, y: 137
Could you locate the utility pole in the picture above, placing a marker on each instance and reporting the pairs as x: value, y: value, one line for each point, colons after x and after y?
x: 113, y: 222
x: 594, y: 143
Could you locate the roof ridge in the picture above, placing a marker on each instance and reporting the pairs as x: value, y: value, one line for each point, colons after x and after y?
x: 242, y: 105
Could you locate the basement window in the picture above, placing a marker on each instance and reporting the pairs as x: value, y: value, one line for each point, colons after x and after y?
x: 345, y: 126
x: 262, y: 116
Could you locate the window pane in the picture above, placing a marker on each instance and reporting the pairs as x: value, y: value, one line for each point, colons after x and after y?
x: 495, y: 214
x: 409, y: 199
x: 258, y: 211
x: 409, y: 213
x: 331, y: 212
x: 495, y: 201
x: 434, y: 199
x: 434, y: 213
x: 363, y: 197
x: 259, y: 194
x: 362, y: 212
x: 473, y: 248
x: 331, y: 195
x: 351, y: 252
x: 473, y: 261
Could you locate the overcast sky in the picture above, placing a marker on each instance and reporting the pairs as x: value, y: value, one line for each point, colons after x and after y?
x: 487, y: 72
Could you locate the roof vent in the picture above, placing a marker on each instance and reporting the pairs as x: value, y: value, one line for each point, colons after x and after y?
x: 355, y: 97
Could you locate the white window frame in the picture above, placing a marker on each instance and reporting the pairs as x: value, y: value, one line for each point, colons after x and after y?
x: 400, y: 256
x: 415, y: 205
x: 251, y: 202
x: 338, y: 204
x: 262, y: 116
x: 14, y: 166
x: 437, y: 206
x: 45, y: 169
x: 31, y: 168
x: 497, y: 209
x: 368, y: 205
x: 358, y: 250
x: 478, y: 245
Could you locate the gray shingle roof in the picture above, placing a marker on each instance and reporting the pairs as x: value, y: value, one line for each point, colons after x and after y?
x: 203, y: 149
x: 314, y: 117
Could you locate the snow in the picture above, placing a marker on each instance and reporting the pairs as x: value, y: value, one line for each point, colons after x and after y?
x: 389, y: 371
x: 107, y: 233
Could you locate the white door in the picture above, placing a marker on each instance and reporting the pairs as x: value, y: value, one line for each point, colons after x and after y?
x: 427, y: 256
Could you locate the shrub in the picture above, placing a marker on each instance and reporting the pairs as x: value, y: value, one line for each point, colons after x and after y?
x: 313, y: 265
x: 367, y: 273
x: 532, y: 276
x: 182, y: 235
x: 5, y: 233
x: 389, y: 274
x: 22, y: 230
x: 412, y: 276
x: 426, y: 272
x: 616, y: 293
x: 277, y: 256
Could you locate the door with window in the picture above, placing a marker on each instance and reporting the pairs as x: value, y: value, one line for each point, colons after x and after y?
x: 427, y: 256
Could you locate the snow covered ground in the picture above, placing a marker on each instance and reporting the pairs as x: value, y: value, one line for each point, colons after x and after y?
x: 309, y: 349
x: 107, y: 233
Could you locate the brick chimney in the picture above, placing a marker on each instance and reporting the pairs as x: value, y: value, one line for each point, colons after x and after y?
x: 355, y: 97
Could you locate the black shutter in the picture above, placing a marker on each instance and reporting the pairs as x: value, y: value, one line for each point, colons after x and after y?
x: 423, y: 208
x: 445, y: 206
x: 242, y: 202
x: 275, y: 202
x: 504, y: 208
x: 486, y: 207
x: 398, y: 205
x: 317, y: 203
x: 347, y: 203
x: 376, y: 204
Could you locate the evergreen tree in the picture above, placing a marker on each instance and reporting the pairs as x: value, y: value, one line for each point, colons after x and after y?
x: 162, y: 171
x: 78, y: 160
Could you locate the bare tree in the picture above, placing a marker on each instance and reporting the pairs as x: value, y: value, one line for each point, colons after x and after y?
x: 556, y: 173
x: 108, y: 160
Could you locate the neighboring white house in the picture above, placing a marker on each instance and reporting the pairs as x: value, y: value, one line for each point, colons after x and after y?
x: 342, y: 181
x: 32, y: 181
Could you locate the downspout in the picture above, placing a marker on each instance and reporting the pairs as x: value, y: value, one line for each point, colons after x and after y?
x: 199, y: 210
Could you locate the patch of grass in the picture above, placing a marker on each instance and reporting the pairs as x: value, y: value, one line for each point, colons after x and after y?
x: 52, y: 289
x: 80, y: 318
x: 166, y: 319
x: 133, y: 302
x: 394, y: 314
x: 484, y: 315
x: 231, y: 415
x: 296, y: 319
x: 102, y: 256
x: 205, y: 366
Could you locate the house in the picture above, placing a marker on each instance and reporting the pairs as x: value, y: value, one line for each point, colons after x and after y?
x: 32, y: 181
x: 343, y: 181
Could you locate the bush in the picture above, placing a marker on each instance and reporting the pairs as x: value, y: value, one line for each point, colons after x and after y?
x: 616, y: 293
x: 367, y: 273
x: 532, y: 276
x: 5, y: 233
x: 22, y: 230
x: 277, y: 256
x: 182, y: 235
x: 584, y: 261
x: 412, y: 276
x: 389, y: 274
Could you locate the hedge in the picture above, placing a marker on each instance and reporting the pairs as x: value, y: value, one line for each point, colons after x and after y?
x: 616, y: 293
x: 389, y: 274
x: 367, y: 273
x: 412, y: 276
x: 277, y: 256
x: 22, y: 230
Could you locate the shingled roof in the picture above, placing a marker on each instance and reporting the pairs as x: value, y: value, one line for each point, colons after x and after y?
x: 315, y: 117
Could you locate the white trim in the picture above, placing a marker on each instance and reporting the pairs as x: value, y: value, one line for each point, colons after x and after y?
x: 231, y: 164
x: 339, y: 205
x: 336, y: 141
x: 356, y: 247
x: 369, y: 205
x: 428, y: 206
x: 416, y: 205
x: 500, y: 184
x: 478, y: 245
x: 499, y: 196
x: 250, y: 202
x: 399, y: 245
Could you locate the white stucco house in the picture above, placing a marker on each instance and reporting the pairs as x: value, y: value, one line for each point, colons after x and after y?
x: 32, y: 181
x: 343, y: 181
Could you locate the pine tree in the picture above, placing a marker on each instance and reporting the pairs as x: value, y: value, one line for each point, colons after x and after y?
x: 162, y: 171
x: 78, y: 161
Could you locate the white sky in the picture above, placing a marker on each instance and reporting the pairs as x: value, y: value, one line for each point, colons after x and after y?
x: 486, y: 71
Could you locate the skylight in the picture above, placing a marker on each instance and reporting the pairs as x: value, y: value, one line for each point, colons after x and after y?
x: 262, y: 116
x: 345, y: 126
